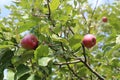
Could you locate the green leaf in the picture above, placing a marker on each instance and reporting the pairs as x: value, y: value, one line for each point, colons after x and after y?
x: 115, y: 62
x: 57, y: 29
x: 44, y: 61
x: 59, y: 39
x: 26, y: 25
x: 41, y: 51
x: 5, y: 59
x: 75, y: 41
x: 33, y: 77
x: 54, y: 4
x: 22, y: 3
x: 6, y: 46
x: 24, y: 77
x: 83, y: 70
x: 5, y: 29
x: 10, y: 74
x: 21, y: 71
x: 16, y: 60
x: 64, y: 18
x: 109, y: 53
x: 1, y: 76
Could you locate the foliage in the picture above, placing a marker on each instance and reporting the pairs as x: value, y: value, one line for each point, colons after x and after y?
x: 60, y: 26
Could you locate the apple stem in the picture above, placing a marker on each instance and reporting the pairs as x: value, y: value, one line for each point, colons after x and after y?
x: 84, y: 53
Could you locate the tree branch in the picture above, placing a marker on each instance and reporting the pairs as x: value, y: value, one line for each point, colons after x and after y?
x: 94, y: 72
x: 75, y: 74
x: 65, y: 63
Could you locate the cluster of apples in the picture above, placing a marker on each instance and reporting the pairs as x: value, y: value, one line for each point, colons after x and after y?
x: 89, y: 40
x: 30, y: 41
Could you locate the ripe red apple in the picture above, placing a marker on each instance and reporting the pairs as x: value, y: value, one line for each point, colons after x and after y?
x: 89, y: 40
x: 104, y: 19
x: 29, y: 41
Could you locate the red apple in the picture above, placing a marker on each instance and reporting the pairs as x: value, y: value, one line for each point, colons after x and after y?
x: 29, y: 41
x: 104, y: 19
x: 89, y: 40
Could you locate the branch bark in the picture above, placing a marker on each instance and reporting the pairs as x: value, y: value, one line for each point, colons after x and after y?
x: 65, y: 63
x: 94, y: 72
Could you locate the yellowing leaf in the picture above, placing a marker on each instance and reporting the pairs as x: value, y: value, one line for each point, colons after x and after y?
x: 54, y: 4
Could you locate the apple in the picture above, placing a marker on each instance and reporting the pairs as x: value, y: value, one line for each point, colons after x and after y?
x: 104, y: 19
x: 29, y: 41
x: 89, y: 40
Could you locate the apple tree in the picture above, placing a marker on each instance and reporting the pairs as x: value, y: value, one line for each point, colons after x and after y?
x: 58, y: 49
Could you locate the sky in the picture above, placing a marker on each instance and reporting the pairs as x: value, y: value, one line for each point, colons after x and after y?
x: 100, y: 1
x: 3, y: 11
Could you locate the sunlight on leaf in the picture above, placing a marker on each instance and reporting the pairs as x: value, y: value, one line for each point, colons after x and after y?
x: 44, y: 61
x: 118, y: 39
x: 54, y: 4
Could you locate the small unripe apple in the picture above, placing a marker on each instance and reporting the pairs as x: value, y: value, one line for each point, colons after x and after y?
x: 104, y: 19
x: 29, y: 41
x: 89, y: 40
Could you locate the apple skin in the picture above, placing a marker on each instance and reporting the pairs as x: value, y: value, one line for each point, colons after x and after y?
x: 29, y: 42
x: 89, y: 40
x: 104, y: 19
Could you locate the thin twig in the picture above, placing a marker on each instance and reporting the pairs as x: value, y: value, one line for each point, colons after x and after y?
x: 71, y: 30
x: 92, y: 16
x: 94, y: 8
x: 62, y: 46
x: 65, y: 63
x: 49, y: 17
x: 82, y: 13
x: 84, y: 53
x: 49, y: 14
x: 53, y: 32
